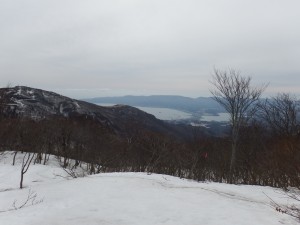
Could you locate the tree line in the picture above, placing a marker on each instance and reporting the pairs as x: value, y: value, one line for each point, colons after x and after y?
x: 263, y: 147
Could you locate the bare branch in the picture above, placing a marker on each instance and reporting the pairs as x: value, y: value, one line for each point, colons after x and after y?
x: 30, y: 200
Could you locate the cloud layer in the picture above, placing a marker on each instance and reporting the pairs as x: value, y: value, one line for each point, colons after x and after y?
x: 97, y: 48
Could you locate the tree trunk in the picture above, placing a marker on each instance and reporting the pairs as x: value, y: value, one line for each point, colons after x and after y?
x: 21, y: 181
x: 14, y: 159
x: 233, y: 156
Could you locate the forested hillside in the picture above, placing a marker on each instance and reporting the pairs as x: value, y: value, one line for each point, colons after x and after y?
x: 121, y: 139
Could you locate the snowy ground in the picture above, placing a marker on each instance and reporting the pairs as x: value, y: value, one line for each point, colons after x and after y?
x: 130, y: 199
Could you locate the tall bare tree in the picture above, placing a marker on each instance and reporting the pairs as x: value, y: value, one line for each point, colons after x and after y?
x: 2, y: 101
x: 235, y: 93
x: 282, y: 114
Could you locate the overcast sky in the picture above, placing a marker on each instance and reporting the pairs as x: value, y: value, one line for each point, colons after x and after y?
x: 89, y: 48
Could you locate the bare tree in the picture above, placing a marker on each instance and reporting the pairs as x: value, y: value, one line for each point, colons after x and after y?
x: 281, y: 114
x: 27, y: 159
x: 2, y: 102
x: 235, y: 93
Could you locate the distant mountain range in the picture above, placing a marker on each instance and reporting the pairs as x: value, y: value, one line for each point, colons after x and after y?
x: 192, y: 105
x: 122, y: 120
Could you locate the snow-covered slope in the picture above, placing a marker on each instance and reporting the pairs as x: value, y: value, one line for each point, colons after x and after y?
x: 130, y: 199
x: 37, y: 103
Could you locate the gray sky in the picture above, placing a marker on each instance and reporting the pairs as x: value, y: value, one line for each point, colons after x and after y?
x: 89, y: 48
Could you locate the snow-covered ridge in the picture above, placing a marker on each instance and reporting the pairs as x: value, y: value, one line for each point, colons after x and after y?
x: 39, y: 104
x: 130, y: 199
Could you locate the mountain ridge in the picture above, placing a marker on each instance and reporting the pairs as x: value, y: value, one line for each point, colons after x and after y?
x: 187, y: 104
x: 38, y: 104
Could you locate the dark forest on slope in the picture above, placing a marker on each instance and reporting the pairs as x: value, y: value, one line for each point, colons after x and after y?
x: 123, y: 138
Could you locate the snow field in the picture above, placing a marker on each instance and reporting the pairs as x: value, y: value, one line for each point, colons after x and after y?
x: 130, y: 199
